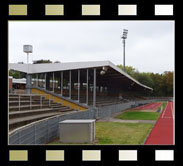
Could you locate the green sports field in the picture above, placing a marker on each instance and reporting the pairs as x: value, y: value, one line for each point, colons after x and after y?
x: 122, y: 133
x: 139, y: 115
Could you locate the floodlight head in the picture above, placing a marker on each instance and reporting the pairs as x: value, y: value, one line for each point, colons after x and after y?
x: 102, y: 72
x: 125, y: 32
x: 124, y: 37
x: 105, y: 68
x: 27, y: 48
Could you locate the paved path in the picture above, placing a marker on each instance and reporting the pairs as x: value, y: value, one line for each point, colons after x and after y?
x: 126, y: 121
x: 163, y: 131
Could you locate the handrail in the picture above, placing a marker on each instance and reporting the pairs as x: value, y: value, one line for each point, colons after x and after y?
x: 25, y: 94
x: 31, y: 100
x: 62, y: 97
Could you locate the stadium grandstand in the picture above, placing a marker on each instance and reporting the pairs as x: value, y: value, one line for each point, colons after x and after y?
x: 87, y: 83
x: 54, y: 89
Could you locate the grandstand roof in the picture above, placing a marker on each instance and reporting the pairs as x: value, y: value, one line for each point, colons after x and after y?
x: 53, y: 67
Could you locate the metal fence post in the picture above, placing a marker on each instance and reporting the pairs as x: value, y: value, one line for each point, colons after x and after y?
x: 49, y: 100
x: 41, y: 101
x: 30, y: 102
x: 19, y: 102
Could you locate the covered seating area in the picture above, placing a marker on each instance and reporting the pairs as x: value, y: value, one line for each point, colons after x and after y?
x: 95, y: 83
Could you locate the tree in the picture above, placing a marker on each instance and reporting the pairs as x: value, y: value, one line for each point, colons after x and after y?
x: 16, y: 74
x: 128, y: 69
x: 42, y: 61
x: 162, y: 84
x: 168, y: 82
x: 57, y: 62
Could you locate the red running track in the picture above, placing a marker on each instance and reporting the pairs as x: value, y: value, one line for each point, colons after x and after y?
x: 149, y: 106
x: 163, y: 131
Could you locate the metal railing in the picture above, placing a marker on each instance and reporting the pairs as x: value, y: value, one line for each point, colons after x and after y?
x: 42, y: 97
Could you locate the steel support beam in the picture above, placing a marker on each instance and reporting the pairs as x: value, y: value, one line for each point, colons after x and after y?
x: 94, y: 87
x: 61, y: 87
x: 78, y: 85
x: 70, y: 82
x: 53, y: 81
x: 28, y: 83
x: 87, y: 86
x: 124, y: 55
x: 37, y: 80
x: 45, y: 80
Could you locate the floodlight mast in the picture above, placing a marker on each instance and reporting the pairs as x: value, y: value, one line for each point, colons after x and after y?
x: 27, y: 49
x: 125, y: 32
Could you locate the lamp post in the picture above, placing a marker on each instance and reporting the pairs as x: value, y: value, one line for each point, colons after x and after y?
x: 28, y: 49
x: 125, y: 31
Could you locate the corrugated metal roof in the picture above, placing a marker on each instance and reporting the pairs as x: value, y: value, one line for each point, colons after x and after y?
x: 52, y: 67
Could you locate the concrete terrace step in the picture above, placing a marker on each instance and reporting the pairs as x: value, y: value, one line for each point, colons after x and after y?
x: 24, y: 110
x: 16, y: 103
x: 24, y: 95
x: 18, y: 114
x: 16, y: 98
x: 32, y: 107
x: 18, y: 122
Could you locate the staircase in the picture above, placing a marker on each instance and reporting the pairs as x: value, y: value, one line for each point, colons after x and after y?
x: 25, y: 109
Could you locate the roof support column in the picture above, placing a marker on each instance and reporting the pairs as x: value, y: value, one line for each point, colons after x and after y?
x: 78, y: 85
x: 53, y: 81
x: 36, y: 80
x: 45, y: 79
x: 61, y: 87
x: 28, y: 83
x: 70, y: 78
x: 94, y: 87
x: 87, y: 86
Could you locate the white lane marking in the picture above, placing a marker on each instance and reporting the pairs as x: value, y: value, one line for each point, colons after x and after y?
x: 172, y: 110
x: 164, y: 110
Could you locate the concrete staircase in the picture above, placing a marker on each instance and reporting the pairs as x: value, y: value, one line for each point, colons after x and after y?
x: 25, y: 109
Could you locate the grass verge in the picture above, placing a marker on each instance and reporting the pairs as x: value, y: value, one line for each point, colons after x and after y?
x: 122, y: 133
x: 111, y: 133
x: 138, y: 116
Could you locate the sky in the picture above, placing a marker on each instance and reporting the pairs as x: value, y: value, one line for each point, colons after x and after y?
x: 149, y: 45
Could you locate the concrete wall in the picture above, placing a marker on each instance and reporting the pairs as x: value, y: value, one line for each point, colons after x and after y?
x: 45, y: 130
x: 48, y: 129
